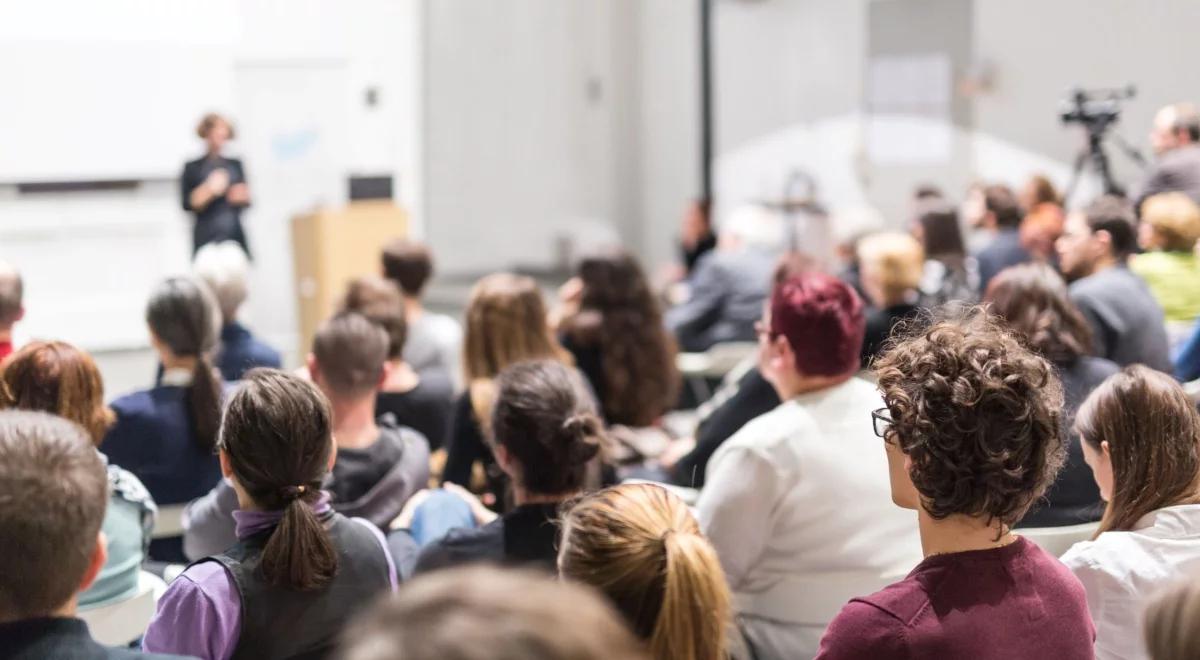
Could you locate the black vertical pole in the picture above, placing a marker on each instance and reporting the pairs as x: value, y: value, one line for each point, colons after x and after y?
x: 706, y: 115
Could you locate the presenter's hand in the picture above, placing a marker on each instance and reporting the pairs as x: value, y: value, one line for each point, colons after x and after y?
x: 217, y: 181
x: 238, y: 194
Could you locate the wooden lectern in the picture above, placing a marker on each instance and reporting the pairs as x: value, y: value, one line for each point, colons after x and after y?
x: 332, y: 247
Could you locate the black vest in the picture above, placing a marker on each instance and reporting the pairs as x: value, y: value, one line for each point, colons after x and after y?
x: 281, y: 624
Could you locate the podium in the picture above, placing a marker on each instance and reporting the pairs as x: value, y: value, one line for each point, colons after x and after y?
x: 333, y: 246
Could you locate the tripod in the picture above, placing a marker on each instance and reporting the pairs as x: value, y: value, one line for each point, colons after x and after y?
x: 1094, y: 153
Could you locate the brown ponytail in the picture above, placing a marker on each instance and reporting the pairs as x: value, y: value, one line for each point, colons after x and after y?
x: 204, y: 403
x: 277, y: 434
x: 640, y: 545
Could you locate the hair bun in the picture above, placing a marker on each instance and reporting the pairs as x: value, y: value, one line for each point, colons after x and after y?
x: 582, y: 430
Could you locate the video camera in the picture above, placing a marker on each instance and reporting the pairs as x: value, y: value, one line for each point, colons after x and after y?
x: 1095, y: 108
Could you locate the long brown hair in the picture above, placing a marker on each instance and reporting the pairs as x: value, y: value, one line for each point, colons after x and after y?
x: 640, y: 545
x: 1172, y: 628
x: 278, y: 438
x: 619, y: 313
x: 1153, y: 435
x: 56, y: 377
x: 1032, y: 299
x: 183, y: 315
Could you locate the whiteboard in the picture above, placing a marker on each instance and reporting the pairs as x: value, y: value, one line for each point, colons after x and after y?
x: 96, y: 110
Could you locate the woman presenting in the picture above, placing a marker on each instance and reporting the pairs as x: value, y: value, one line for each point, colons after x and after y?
x: 214, y: 188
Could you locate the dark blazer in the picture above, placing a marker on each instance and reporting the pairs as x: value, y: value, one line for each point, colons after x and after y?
x: 527, y: 536
x: 240, y: 352
x: 220, y: 220
x: 1177, y: 170
x: 752, y: 396
x: 426, y: 408
x: 60, y: 639
x: 1005, y: 250
x: 879, y: 326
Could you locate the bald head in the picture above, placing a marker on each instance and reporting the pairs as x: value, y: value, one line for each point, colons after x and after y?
x: 11, y: 291
x: 1175, y: 125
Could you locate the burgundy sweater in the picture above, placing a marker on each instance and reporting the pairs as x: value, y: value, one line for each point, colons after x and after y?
x: 1011, y: 603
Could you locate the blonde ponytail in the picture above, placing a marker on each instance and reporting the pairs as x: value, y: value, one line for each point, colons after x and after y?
x: 641, y: 546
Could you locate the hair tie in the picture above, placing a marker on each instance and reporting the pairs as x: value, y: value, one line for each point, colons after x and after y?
x: 293, y: 492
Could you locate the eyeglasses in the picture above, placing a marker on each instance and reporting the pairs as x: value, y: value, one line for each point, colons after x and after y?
x: 882, y: 421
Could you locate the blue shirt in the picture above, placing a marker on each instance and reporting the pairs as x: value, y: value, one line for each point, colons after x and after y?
x: 240, y: 352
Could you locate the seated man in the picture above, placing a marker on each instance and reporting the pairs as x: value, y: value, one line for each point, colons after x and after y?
x: 729, y: 284
x: 434, y: 344
x: 1128, y: 326
x: 53, y: 491
x: 797, y: 502
x: 224, y: 267
x: 11, y: 309
x: 1001, y: 221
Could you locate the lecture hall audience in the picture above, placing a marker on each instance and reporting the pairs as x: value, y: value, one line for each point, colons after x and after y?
x: 1032, y: 300
x: 891, y: 266
x: 225, y: 268
x: 1141, y: 436
x: 434, y: 341
x: 299, y: 570
x: 57, y: 378
x: 1175, y: 138
x: 1000, y: 222
x: 12, y: 307
x: 949, y: 275
x: 794, y: 502
x: 1167, y: 234
x: 1044, y: 218
x: 965, y: 397
x: 53, y: 494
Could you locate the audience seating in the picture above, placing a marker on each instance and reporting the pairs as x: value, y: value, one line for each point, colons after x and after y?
x: 1057, y: 540
x: 711, y: 365
x: 169, y: 522
x: 120, y: 624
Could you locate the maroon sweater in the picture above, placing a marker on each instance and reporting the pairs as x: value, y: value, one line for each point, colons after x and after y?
x: 1011, y: 603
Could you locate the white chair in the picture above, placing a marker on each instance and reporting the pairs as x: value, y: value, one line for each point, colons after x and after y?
x: 699, y: 368
x: 1057, y: 540
x: 119, y: 624
x: 169, y: 522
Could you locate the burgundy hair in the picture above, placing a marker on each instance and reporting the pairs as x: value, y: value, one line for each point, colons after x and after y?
x: 822, y: 318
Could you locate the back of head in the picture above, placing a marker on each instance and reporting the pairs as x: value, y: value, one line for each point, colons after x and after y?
x: 640, y: 545
x: 380, y: 301
x: 350, y: 352
x: 183, y: 316
x: 1040, y: 190
x: 1153, y: 435
x: 543, y: 417
x: 483, y: 613
x: 967, y: 398
x: 892, y: 262
x: 277, y: 436
x: 1114, y: 215
x: 1175, y: 218
x: 225, y: 268
x: 11, y: 295
x: 1001, y: 202
x: 409, y: 265
x: 56, y: 377
x: 505, y: 324
x: 1181, y: 118
x: 928, y: 192
x: 941, y: 234
x: 1172, y: 627
x: 822, y: 319
x: 1033, y: 300
x: 53, y: 492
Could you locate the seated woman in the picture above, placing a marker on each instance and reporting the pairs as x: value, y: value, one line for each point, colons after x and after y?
x: 1032, y: 299
x: 505, y: 324
x: 420, y: 401
x: 1168, y: 232
x: 300, y: 570
x: 56, y: 377
x: 612, y: 325
x: 891, y: 265
x: 964, y: 397
x: 225, y: 268
x: 1141, y: 435
x: 166, y: 435
x: 641, y: 546
x: 949, y: 275
x: 546, y: 433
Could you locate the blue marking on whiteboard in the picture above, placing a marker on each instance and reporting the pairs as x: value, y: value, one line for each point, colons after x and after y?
x: 294, y: 145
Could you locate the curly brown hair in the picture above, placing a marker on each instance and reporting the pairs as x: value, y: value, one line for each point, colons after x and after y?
x: 1033, y: 300
x: 977, y: 414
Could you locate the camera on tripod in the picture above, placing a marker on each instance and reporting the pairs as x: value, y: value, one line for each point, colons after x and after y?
x: 1095, y: 108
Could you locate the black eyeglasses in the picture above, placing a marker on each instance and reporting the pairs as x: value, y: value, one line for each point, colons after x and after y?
x: 882, y: 420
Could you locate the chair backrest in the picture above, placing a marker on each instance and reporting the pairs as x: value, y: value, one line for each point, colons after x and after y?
x: 1057, y: 540
x: 119, y: 624
x: 169, y: 522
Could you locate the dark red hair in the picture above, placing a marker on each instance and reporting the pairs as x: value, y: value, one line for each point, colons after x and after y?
x: 822, y: 318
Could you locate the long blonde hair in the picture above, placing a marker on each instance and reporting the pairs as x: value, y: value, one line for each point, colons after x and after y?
x: 641, y: 546
x: 506, y: 323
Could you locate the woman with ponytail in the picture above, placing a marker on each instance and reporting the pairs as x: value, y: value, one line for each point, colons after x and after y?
x: 166, y: 435
x: 640, y: 545
x: 546, y: 433
x: 299, y: 570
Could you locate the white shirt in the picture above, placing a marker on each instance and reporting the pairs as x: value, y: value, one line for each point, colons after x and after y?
x: 1122, y: 571
x: 798, y: 505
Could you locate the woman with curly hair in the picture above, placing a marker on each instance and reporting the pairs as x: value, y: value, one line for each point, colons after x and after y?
x: 613, y: 326
x: 971, y: 429
x: 1141, y: 435
x: 1033, y: 300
